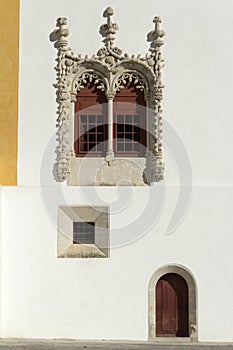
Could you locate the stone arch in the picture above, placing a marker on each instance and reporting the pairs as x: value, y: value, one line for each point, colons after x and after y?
x: 138, y: 78
x: 192, y: 295
x: 137, y: 67
x: 92, y: 75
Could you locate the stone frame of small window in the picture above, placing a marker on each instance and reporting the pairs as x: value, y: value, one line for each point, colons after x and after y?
x: 110, y: 70
x: 67, y: 215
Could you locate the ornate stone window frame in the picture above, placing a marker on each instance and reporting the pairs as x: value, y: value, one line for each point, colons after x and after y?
x: 110, y: 70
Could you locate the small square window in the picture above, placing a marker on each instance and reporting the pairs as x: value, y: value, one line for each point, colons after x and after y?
x: 83, y: 232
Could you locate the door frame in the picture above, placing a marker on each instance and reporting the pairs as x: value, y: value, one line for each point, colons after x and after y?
x: 192, y: 295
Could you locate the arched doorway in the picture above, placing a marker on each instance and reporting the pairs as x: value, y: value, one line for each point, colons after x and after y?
x: 171, y: 306
x: 172, y: 287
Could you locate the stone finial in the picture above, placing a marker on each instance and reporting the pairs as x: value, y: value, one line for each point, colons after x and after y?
x: 109, y: 30
x: 61, y: 33
x: 61, y: 21
x: 156, y: 35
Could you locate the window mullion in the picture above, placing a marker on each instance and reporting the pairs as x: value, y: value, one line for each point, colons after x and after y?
x: 110, y: 151
x: 70, y: 127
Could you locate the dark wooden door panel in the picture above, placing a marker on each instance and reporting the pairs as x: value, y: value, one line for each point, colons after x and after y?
x: 172, y: 306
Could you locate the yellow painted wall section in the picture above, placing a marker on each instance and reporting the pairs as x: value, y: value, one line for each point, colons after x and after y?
x: 9, y: 63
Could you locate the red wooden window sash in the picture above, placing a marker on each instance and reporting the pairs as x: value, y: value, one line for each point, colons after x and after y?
x: 90, y: 123
x: 130, y: 137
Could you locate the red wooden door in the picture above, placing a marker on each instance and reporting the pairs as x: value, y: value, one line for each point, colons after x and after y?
x: 172, y: 306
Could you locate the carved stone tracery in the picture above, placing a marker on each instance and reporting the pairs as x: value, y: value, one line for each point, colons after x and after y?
x: 110, y: 71
x: 128, y: 77
x: 90, y: 77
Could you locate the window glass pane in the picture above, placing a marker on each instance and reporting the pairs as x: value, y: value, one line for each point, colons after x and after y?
x: 128, y: 128
x: 120, y: 136
x: 137, y: 147
x: 128, y: 119
x: 100, y: 119
x: 128, y: 146
x: 100, y: 138
x: 100, y: 129
x: 120, y: 146
x: 120, y: 128
x: 83, y: 118
x: 91, y: 118
x: 137, y: 129
x: 120, y: 118
x: 137, y: 137
x: 91, y: 127
x: 92, y: 146
x: 129, y: 137
x: 136, y: 119
x: 92, y: 137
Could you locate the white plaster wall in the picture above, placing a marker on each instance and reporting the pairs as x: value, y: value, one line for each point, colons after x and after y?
x: 198, y: 75
x: 43, y: 296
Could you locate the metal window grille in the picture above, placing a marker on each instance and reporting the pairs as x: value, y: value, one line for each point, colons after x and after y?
x: 83, y: 232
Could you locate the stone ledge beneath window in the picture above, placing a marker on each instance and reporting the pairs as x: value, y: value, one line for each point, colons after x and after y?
x: 83, y: 251
x: 97, y: 172
x: 66, y: 216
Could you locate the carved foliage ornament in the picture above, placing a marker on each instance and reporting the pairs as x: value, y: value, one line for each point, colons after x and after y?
x: 110, y: 70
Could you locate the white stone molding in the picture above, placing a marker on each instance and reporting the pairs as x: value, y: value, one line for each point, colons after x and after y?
x: 110, y: 70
